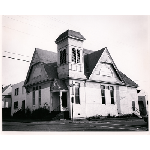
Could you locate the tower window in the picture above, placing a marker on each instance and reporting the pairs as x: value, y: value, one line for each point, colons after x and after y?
x: 75, y: 55
x: 78, y: 56
x: 63, y: 56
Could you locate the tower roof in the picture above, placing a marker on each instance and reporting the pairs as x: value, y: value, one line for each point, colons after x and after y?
x: 69, y: 33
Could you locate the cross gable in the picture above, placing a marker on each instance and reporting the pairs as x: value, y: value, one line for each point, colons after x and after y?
x: 37, y: 74
x: 106, y: 70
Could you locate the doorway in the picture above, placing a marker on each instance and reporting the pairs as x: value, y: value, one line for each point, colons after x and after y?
x: 142, y: 108
x: 23, y: 105
x: 64, y: 99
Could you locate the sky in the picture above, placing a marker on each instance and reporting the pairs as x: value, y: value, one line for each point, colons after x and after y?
x: 126, y: 38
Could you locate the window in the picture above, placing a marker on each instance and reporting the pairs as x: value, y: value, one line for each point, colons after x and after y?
x: 112, y: 94
x: 36, y: 87
x: 23, y: 105
x: 78, y: 56
x: 33, y: 96
x: 39, y: 95
x: 75, y: 55
x: 17, y: 91
x: 103, y: 94
x: 15, y: 105
x: 133, y: 105
x: 77, y: 94
x: 63, y: 56
x: 22, y: 90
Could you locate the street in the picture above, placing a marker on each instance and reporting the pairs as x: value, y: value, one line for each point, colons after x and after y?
x: 82, y: 125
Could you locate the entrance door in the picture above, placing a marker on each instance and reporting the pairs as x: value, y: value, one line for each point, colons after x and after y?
x: 142, y: 108
x: 23, y: 105
x: 64, y: 99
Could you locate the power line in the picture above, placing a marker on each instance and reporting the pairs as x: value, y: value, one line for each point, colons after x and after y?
x: 25, y: 33
x: 16, y: 54
x: 16, y: 59
x: 28, y: 23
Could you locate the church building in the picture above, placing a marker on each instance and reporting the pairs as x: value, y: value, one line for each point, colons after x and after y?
x: 78, y: 81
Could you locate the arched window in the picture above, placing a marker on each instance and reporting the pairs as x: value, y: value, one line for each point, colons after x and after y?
x: 75, y: 55
x: 63, y: 56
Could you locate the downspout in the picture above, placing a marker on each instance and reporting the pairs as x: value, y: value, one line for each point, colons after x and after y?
x: 85, y: 97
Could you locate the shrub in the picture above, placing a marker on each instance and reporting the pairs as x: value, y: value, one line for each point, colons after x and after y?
x: 19, y: 114
x: 40, y: 113
x: 27, y: 113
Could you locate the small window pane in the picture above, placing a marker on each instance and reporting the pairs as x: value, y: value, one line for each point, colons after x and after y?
x: 73, y: 55
x: 102, y: 87
x: 78, y: 56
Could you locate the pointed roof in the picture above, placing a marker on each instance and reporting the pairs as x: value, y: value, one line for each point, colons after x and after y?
x: 49, y: 59
x: 46, y: 56
x: 127, y: 80
x: 51, y: 70
x: 69, y: 33
x: 4, y: 88
x: 90, y: 61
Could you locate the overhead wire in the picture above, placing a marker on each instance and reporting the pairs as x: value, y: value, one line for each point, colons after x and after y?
x: 16, y: 58
x: 16, y: 53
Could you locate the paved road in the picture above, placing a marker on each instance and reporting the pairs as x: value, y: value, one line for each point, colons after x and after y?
x: 102, y: 125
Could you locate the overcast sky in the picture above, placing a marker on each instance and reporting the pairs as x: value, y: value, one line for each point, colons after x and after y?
x: 126, y: 38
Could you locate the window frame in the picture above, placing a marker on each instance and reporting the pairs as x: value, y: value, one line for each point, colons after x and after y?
x: 62, y: 57
x: 76, y: 56
x: 16, y: 91
x: 111, y: 88
x: 103, y: 94
x: 16, y: 105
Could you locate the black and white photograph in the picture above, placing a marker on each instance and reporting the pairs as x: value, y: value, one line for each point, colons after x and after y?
x: 75, y: 73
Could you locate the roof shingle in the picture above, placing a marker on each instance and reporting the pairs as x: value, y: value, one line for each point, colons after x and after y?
x: 46, y: 56
x: 70, y: 33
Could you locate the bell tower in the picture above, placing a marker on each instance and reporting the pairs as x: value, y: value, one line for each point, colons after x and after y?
x: 70, y: 62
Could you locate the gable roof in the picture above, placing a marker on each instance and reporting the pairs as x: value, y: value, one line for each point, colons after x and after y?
x: 127, y: 80
x: 4, y: 88
x: 49, y: 59
x: 69, y: 33
x: 90, y: 61
x: 51, y: 70
x: 46, y: 56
